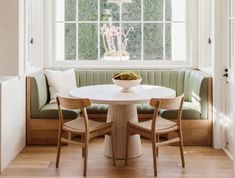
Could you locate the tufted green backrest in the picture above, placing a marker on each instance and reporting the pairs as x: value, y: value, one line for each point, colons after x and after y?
x: 193, y: 83
x: 196, y: 90
x: 38, y: 93
x: 169, y: 78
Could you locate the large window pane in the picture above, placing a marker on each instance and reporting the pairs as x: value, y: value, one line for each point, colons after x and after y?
x: 108, y: 10
x: 175, y: 10
x: 66, y: 10
x: 178, y: 41
x: 168, y: 42
x: 153, y: 42
x: 87, y: 10
x: 134, y: 41
x: 87, y: 42
x: 131, y: 11
x: 65, y: 41
x: 153, y: 10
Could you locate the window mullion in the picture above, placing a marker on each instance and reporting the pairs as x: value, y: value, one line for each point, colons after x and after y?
x: 142, y: 30
x: 77, y: 31
x: 98, y: 30
x: 120, y: 14
x: 164, y: 30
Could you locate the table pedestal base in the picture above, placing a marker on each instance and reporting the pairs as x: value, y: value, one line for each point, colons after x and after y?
x: 120, y: 115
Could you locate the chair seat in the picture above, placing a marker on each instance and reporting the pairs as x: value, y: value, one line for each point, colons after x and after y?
x: 161, y: 124
x: 78, y: 125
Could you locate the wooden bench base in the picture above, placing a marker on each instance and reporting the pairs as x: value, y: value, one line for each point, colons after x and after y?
x: 44, y: 131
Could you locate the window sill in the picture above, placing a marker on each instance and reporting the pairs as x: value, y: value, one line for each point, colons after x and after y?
x: 121, y: 64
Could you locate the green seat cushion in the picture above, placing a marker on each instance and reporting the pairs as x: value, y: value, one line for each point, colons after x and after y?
x: 144, y: 109
x: 97, y: 109
x: 50, y: 111
x: 190, y: 111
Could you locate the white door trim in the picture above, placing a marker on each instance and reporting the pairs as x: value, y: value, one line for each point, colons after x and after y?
x: 219, y: 53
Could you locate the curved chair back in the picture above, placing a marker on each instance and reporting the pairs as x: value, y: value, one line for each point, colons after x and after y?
x: 72, y: 104
x: 167, y: 103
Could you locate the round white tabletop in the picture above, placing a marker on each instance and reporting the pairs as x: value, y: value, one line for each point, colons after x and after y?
x: 122, y: 108
x: 111, y: 94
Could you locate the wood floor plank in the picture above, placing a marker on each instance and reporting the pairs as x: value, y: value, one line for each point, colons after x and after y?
x: 39, y: 162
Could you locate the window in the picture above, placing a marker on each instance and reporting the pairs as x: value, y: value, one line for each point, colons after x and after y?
x: 159, y: 29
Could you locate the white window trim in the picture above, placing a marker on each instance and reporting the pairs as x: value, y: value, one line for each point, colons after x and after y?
x: 230, y: 36
x: 191, y: 44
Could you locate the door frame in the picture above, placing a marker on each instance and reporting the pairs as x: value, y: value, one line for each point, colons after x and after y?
x: 220, y: 62
x: 219, y: 51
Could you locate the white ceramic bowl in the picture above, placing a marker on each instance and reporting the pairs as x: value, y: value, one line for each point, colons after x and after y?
x: 127, y: 84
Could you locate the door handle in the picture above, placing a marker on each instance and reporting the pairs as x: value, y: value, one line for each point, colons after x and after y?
x: 31, y: 40
x: 226, y: 73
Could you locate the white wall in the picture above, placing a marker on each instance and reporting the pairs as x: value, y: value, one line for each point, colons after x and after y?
x: 36, y: 57
x: 9, y: 37
x: 205, y: 32
x: 12, y: 37
x: 12, y: 119
x: 12, y: 62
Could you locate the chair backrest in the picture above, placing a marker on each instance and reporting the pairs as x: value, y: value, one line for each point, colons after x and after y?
x: 72, y: 104
x: 167, y: 103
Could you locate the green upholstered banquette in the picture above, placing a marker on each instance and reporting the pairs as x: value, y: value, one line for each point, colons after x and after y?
x: 195, y: 84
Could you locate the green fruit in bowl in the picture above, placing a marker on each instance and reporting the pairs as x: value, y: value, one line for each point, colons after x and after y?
x: 126, y: 76
x: 116, y: 75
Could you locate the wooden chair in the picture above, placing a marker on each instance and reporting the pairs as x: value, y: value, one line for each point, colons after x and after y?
x: 82, y: 126
x: 158, y: 125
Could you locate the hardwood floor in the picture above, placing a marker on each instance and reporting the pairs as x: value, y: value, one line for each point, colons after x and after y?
x: 39, y: 162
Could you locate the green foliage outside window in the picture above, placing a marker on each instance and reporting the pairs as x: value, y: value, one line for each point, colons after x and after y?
x: 87, y: 42
x: 83, y: 37
x: 132, y: 11
x: 70, y: 41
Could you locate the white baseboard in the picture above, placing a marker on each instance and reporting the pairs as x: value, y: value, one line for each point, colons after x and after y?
x: 228, y: 153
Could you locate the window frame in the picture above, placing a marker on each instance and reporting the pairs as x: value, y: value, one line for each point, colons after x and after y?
x: 231, y: 32
x: 190, y: 61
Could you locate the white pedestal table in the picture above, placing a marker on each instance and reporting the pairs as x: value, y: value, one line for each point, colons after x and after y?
x: 121, y: 109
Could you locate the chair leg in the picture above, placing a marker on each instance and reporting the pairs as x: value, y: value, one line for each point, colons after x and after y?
x: 85, y: 156
x: 58, y: 148
x: 127, y: 142
x: 113, y: 140
x: 69, y: 137
x: 83, y: 149
x: 154, y: 155
x: 181, y: 148
x: 157, y: 147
